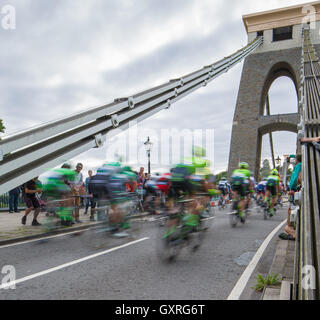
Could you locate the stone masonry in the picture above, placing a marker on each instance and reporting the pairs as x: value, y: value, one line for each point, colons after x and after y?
x: 260, y: 70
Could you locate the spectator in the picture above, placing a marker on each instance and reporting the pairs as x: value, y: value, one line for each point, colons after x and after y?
x: 76, y: 186
x: 141, y: 176
x: 314, y: 141
x: 32, y: 202
x: 293, y: 187
x: 13, y: 200
x: 66, y: 166
x: 90, y: 200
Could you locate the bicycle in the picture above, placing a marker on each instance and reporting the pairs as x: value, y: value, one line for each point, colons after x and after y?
x: 222, y: 203
x: 170, y: 243
x: 266, y: 212
x: 235, y: 212
x: 140, y: 192
x: 97, y: 237
x: 260, y: 200
x: 280, y: 201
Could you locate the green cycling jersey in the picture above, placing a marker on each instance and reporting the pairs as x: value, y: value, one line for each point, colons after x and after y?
x: 244, y: 174
x: 273, y: 180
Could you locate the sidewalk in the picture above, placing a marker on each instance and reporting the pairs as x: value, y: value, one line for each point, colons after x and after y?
x: 12, y: 230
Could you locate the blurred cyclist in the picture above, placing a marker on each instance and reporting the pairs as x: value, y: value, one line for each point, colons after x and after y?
x: 273, y: 184
x: 240, y: 186
x: 261, y: 191
x: 189, y: 178
x: 58, y: 194
x: 109, y: 186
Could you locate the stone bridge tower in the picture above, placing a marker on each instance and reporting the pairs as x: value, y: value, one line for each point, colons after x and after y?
x: 280, y: 55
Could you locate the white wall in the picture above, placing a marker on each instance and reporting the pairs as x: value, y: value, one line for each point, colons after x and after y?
x: 269, y: 45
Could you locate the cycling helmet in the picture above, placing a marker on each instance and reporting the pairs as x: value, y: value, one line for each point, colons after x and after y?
x: 199, y: 151
x: 244, y: 165
x: 275, y: 172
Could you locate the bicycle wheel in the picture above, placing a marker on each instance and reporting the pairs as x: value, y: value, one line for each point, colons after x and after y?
x: 97, y: 238
x: 266, y: 213
x: 207, y: 218
x: 234, y: 214
x: 168, y: 248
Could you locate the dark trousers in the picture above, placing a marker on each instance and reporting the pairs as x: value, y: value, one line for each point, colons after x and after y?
x: 92, y: 202
x: 13, y: 202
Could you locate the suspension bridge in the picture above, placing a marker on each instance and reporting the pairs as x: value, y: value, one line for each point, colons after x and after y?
x: 281, y: 42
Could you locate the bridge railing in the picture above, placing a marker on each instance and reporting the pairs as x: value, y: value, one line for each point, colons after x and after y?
x: 29, y: 153
x: 4, y: 202
x: 307, y: 268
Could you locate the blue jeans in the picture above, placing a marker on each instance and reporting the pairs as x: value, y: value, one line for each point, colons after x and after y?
x: 13, y: 202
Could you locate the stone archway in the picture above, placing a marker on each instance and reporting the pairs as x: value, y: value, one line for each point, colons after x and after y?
x: 259, y: 72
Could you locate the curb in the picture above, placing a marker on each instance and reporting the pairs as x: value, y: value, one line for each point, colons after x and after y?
x: 59, y: 231
x: 281, y: 292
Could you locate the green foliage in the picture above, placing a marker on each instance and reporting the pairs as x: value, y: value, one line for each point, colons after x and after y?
x: 268, y: 281
x: 221, y: 175
x: 2, y: 127
x: 265, y: 170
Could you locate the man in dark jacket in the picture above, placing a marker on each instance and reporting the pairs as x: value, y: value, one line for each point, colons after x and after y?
x: 13, y: 199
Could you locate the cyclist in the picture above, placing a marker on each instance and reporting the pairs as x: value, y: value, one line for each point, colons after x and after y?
x: 164, y: 183
x: 240, y: 186
x: 57, y: 191
x: 109, y: 186
x: 273, y: 184
x: 151, y: 199
x: 224, y: 189
x: 261, y: 191
x: 188, y: 178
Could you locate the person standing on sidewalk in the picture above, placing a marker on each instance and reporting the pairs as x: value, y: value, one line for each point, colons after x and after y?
x: 13, y: 200
x: 141, y: 176
x: 31, y: 188
x: 91, y: 200
x: 76, y: 189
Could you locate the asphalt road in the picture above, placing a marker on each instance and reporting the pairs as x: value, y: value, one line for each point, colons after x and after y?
x: 129, y: 270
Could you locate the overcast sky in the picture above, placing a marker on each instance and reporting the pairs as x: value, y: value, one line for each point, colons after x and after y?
x: 66, y: 56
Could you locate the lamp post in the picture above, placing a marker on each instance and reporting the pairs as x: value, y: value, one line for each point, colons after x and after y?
x: 278, y: 162
x: 148, y: 145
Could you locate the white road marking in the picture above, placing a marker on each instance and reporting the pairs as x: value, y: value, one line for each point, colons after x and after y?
x: 242, y: 282
x: 39, y: 274
x: 44, y: 238
x: 208, y: 219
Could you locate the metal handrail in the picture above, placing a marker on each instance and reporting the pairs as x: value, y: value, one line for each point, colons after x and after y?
x: 308, y: 229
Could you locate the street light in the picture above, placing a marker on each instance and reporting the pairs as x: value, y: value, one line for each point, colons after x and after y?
x: 278, y: 161
x: 148, y: 145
